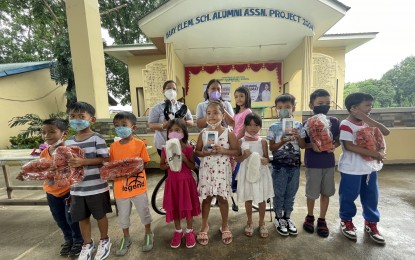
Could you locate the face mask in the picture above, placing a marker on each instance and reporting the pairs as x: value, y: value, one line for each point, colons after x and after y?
x: 214, y: 126
x: 284, y: 113
x: 323, y: 109
x: 255, y: 136
x: 215, y: 95
x: 176, y: 135
x: 79, y: 125
x: 123, y: 131
x: 170, y: 94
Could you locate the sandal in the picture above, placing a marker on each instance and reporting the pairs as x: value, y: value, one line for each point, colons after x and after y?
x: 202, y: 237
x: 249, y: 230
x: 226, y: 236
x: 263, y: 231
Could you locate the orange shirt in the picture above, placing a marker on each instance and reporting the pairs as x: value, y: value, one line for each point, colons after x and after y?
x: 48, y: 184
x: 136, y: 184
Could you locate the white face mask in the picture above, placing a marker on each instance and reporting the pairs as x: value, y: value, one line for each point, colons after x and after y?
x: 214, y: 126
x: 170, y: 94
x: 57, y: 143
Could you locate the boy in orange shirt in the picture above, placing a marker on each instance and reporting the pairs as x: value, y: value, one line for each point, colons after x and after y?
x: 53, y: 132
x: 134, y: 188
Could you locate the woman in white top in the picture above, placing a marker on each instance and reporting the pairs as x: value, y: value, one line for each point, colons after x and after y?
x: 213, y: 92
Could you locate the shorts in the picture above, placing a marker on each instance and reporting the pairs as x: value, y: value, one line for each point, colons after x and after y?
x: 83, y: 206
x: 141, y: 206
x: 319, y: 181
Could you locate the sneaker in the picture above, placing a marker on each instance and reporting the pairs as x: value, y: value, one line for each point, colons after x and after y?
x: 309, y: 224
x: 148, y: 242
x: 76, y: 249
x: 348, y: 229
x: 322, y: 229
x: 372, y: 230
x: 65, y: 248
x: 292, y: 230
x: 190, y: 239
x: 87, y: 251
x: 104, y: 248
x: 124, y: 246
x: 281, y: 226
x: 176, y: 240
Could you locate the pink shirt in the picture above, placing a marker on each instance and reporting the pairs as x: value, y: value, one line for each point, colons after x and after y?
x: 239, y: 120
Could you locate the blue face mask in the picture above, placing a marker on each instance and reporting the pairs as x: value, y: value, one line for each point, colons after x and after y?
x: 79, y: 125
x: 123, y: 132
x: 285, y: 113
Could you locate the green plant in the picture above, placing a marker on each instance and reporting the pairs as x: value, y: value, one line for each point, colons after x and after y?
x: 34, y: 122
x: 20, y: 142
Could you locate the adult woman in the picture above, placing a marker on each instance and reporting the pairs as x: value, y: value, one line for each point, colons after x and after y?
x: 161, y: 113
x: 213, y: 92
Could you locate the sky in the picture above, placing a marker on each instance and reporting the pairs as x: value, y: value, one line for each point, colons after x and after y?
x: 394, y: 42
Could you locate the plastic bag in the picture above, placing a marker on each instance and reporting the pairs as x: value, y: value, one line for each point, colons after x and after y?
x: 121, y: 168
x: 65, y: 175
x: 36, y: 170
x: 318, y: 128
x: 371, y: 138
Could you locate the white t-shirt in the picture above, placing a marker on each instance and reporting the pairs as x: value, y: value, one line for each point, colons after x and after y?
x: 350, y: 162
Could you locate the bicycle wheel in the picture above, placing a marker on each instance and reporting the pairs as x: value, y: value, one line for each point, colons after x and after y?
x: 157, y: 197
x: 269, y: 205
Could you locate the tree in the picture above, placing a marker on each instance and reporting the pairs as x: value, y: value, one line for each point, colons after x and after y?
x: 402, y: 77
x: 382, y: 90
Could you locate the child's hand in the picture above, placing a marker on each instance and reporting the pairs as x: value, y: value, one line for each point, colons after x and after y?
x: 315, y: 148
x: 217, y: 149
x: 358, y: 114
x: 264, y: 161
x: 295, y: 135
x: 184, y: 158
x: 76, y: 162
x: 381, y: 155
x: 247, y: 153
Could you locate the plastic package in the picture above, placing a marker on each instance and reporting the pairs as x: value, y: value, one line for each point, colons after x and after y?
x: 65, y: 175
x: 318, y: 128
x: 371, y: 138
x: 36, y: 170
x: 121, y: 168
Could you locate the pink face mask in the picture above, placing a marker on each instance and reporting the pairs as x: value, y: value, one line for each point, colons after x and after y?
x: 255, y: 136
x: 176, y: 135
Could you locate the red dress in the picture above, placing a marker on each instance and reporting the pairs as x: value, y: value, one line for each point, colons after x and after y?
x: 181, y: 199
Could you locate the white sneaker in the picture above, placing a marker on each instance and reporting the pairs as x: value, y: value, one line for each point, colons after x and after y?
x: 104, y: 248
x: 87, y: 251
x: 292, y: 230
x: 281, y: 226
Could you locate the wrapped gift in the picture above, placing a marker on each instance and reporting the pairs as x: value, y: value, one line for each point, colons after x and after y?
x: 318, y: 128
x: 370, y: 138
x: 36, y: 170
x: 121, y: 168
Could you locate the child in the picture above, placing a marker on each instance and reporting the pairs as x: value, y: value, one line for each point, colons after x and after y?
x: 286, y: 164
x: 180, y: 192
x: 91, y: 196
x: 215, y: 171
x: 54, y: 131
x: 132, y: 189
x: 357, y: 175
x: 261, y: 190
x: 243, y: 105
x: 319, y: 166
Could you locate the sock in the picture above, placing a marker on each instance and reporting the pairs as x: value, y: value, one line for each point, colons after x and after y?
x: 189, y: 230
x: 278, y: 215
x: 179, y: 230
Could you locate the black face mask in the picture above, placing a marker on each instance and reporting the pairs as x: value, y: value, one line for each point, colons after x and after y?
x: 323, y: 109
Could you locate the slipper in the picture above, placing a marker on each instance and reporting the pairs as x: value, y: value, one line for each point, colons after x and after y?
x: 174, y: 154
x: 226, y: 236
x: 263, y: 231
x: 249, y: 230
x: 202, y: 237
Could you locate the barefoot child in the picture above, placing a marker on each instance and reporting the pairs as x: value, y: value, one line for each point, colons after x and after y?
x: 254, y: 191
x: 180, y: 192
x: 215, y: 171
x: 134, y: 188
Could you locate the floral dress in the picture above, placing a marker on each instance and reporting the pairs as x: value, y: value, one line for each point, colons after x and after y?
x: 215, y: 173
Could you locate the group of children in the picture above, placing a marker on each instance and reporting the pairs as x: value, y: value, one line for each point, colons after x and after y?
x: 256, y: 183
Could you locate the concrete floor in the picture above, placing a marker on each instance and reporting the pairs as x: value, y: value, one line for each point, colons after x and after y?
x: 29, y: 232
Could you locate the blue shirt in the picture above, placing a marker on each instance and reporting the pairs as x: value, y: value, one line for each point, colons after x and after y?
x: 288, y: 154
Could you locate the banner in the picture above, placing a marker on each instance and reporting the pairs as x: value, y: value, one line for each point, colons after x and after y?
x: 260, y: 91
x: 225, y: 91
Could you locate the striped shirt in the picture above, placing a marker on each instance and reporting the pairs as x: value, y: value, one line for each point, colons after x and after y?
x: 93, y: 146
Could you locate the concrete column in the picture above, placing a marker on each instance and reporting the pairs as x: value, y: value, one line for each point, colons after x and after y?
x: 84, y: 28
x: 307, y: 71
